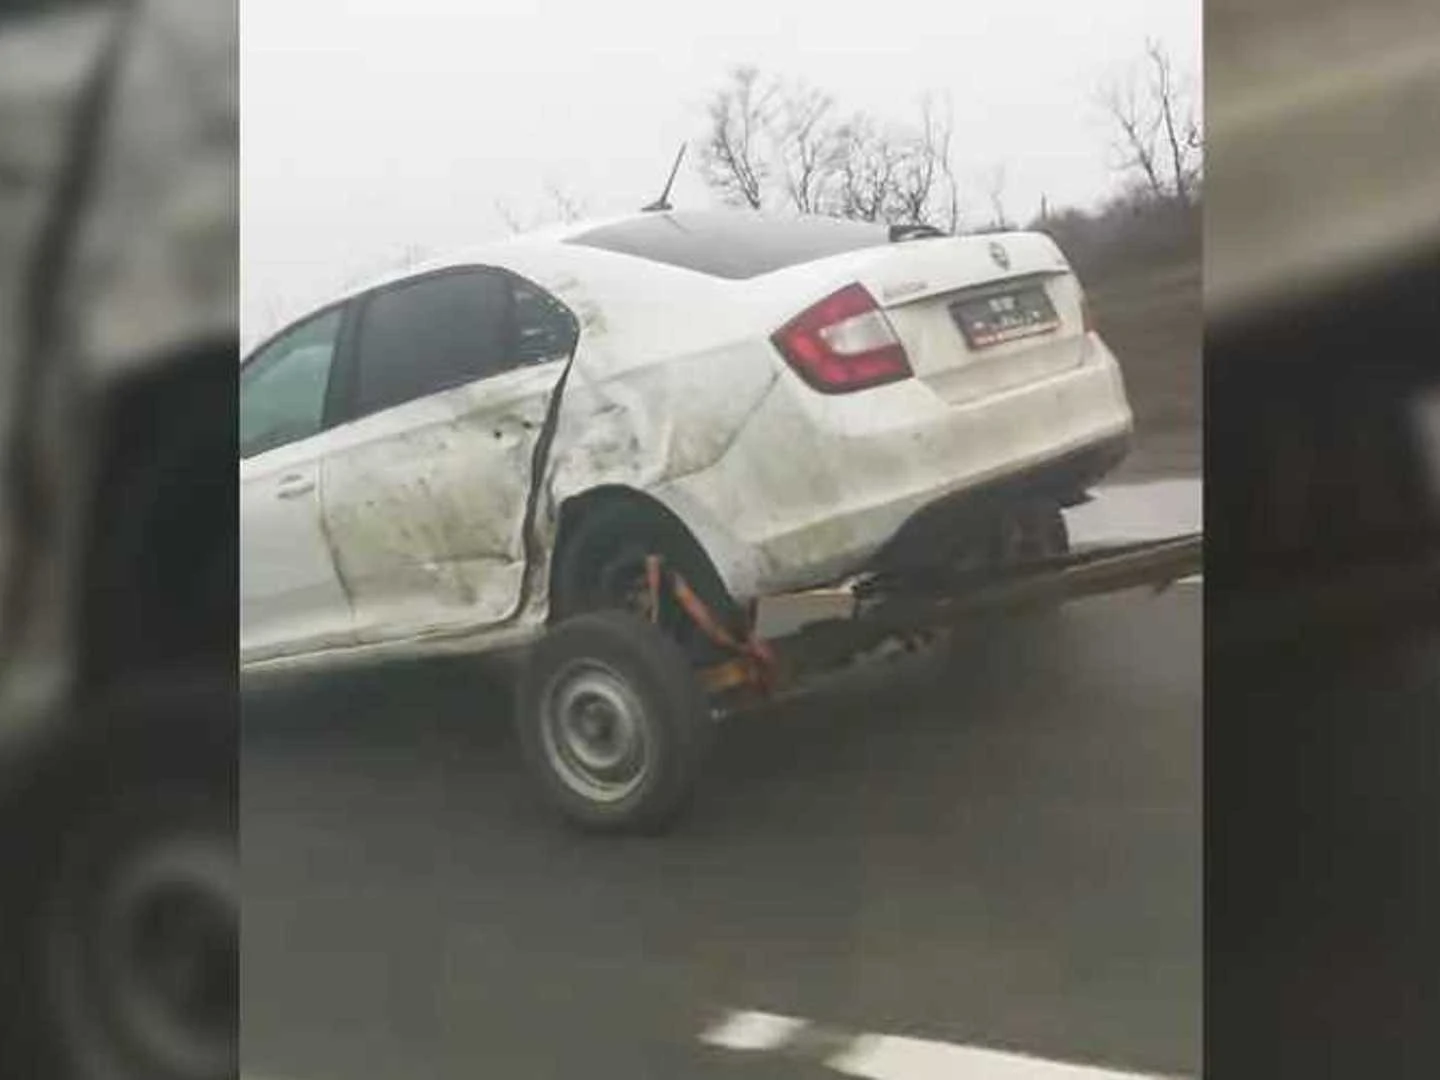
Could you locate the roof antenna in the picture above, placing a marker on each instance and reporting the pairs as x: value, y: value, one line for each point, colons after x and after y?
x: 663, y: 203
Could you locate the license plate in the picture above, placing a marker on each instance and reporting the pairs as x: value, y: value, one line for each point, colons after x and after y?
x: 1000, y: 317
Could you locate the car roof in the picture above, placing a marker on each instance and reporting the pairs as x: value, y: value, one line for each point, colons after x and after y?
x: 552, y: 241
x: 503, y: 253
x: 700, y: 222
x: 494, y: 252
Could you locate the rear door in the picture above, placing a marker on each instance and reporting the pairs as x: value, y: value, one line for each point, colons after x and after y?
x: 447, y: 379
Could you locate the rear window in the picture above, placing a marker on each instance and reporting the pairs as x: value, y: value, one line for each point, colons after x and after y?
x: 736, y: 244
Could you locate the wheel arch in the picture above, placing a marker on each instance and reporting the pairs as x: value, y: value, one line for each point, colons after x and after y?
x: 577, y: 509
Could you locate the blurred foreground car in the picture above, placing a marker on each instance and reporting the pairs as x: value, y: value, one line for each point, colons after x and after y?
x: 1322, y: 570
x: 118, y: 868
x: 460, y: 457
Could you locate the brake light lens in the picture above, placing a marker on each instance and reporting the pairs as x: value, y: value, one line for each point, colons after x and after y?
x: 842, y: 344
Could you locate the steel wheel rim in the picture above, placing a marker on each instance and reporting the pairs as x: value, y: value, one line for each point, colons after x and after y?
x: 595, y: 732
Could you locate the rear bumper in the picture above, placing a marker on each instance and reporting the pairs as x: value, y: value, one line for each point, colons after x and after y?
x: 796, y: 504
x: 970, y: 515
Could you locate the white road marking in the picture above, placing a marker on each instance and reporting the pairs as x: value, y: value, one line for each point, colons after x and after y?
x: 753, y: 1031
x: 891, y: 1057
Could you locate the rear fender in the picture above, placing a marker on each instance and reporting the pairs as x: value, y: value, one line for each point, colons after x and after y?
x: 735, y: 565
x: 740, y: 567
x: 639, y: 432
x: 650, y: 425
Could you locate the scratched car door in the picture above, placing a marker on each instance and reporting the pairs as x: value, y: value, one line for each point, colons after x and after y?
x: 425, y: 488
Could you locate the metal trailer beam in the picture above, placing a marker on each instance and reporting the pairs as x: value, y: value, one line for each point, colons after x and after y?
x: 857, y: 618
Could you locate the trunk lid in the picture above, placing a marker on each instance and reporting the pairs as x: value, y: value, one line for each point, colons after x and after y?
x: 977, y: 315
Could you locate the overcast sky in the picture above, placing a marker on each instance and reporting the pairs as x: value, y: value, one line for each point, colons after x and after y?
x: 369, y: 127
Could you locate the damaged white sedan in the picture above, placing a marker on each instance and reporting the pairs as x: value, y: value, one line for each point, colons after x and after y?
x: 495, y: 450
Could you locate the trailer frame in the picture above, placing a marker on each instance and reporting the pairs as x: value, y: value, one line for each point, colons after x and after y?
x: 864, y: 614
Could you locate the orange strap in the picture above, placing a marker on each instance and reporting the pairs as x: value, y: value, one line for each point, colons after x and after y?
x: 752, y: 648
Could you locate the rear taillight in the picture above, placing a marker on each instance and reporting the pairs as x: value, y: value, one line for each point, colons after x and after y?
x: 843, y: 343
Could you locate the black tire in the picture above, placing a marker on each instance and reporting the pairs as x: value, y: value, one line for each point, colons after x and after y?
x: 131, y: 846
x: 165, y: 851
x: 601, y: 560
x: 637, y: 687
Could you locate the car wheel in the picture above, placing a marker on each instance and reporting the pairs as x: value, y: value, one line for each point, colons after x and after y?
x: 613, y: 723
x: 121, y: 901
x: 133, y: 946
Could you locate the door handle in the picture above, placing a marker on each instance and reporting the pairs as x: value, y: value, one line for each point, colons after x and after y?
x: 293, y: 486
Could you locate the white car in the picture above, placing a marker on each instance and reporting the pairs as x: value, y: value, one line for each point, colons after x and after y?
x: 458, y: 457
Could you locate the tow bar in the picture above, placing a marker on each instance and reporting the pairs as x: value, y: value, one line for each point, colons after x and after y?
x: 829, y: 627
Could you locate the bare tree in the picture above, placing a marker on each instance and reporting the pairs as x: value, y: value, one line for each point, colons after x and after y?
x: 867, y: 170
x: 776, y: 144
x: 1135, y: 141
x: 807, y: 148
x: 996, y: 182
x: 1157, y: 130
x: 939, y: 134
x: 926, y: 191
x: 1178, y: 122
x: 733, y: 155
x: 567, y: 208
x: 564, y: 208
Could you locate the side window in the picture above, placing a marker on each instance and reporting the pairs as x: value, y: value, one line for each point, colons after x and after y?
x: 544, y: 328
x: 428, y: 335
x: 282, y: 390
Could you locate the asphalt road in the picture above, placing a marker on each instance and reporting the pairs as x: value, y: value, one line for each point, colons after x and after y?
x: 997, y: 845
